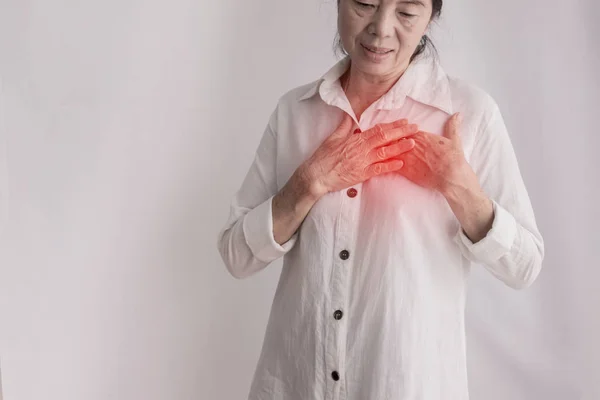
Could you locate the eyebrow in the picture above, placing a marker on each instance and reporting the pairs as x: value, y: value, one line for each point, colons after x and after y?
x: 415, y: 2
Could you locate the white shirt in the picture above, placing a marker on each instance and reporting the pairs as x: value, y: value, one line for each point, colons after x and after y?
x: 370, y: 300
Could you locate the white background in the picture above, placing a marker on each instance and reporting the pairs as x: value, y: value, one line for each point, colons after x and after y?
x: 126, y: 127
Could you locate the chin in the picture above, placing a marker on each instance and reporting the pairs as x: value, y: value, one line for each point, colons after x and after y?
x: 369, y: 66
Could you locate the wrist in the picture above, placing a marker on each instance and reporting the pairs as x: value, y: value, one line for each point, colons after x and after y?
x: 297, y: 195
x: 460, y: 183
x: 472, y: 208
x: 461, y: 195
x: 308, y: 183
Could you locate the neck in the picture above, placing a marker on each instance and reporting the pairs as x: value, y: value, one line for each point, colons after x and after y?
x: 362, y: 90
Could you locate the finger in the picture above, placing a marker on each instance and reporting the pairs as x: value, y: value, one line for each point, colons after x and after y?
x: 452, y: 127
x: 385, y: 126
x: 384, y: 167
x: 345, y: 125
x: 393, y: 150
x: 394, y: 124
x: 379, y: 137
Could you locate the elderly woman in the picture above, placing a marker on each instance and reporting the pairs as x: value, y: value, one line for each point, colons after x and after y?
x: 380, y: 184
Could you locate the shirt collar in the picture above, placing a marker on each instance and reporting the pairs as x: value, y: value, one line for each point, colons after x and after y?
x: 424, y: 81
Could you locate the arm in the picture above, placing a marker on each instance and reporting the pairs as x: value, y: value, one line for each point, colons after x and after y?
x: 263, y: 224
x: 291, y: 205
x: 498, y: 227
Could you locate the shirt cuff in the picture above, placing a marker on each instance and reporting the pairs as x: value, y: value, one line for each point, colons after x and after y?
x: 496, y: 243
x: 258, y: 231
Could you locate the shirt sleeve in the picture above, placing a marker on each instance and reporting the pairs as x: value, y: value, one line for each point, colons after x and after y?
x: 246, y: 242
x: 513, y: 249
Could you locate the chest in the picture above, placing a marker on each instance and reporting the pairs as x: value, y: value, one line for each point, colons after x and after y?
x: 303, y: 134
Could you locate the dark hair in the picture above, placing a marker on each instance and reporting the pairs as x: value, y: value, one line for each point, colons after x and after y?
x: 436, y: 11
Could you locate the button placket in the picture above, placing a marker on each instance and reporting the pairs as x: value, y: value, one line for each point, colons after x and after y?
x: 342, y: 268
x: 352, y: 203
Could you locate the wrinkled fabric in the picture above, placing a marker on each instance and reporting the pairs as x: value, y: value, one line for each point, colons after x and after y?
x: 400, y: 285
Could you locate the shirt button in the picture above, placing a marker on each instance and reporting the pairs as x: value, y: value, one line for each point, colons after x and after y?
x: 352, y: 192
x: 338, y: 314
x: 344, y: 254
x: 335, y: 375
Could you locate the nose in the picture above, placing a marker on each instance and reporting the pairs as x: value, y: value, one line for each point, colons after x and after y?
x: 382, y: 23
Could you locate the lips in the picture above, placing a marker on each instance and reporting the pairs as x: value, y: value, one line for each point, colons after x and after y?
x: 377, y: 50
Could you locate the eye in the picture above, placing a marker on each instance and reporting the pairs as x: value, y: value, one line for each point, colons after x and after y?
x: 407, y: 15
x: 364, y: 5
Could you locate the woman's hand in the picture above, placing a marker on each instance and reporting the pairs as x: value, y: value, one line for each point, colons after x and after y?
x: 438, y: 162
x: 345, y: 159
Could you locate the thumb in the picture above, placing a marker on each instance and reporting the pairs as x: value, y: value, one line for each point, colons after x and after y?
x: 451, y: 129
x: 345, y: 126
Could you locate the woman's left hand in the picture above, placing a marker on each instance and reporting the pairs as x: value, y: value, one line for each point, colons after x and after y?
x: 437, y: 161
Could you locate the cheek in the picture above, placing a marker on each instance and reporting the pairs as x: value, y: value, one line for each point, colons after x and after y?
x: 350, y: 26
x: 410, y: 33
x: 410, y: 24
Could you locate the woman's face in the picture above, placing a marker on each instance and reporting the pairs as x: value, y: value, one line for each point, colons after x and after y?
x: 380, y: 36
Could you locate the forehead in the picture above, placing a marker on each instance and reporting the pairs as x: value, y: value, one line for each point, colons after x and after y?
x: 420, y: 3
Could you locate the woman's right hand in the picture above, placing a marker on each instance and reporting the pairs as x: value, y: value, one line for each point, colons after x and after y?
x: 345, y: 159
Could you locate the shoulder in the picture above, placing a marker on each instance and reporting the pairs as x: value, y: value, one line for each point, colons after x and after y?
x: 295, y: 103
x: 299, y: 93
x: 482, y: 119
x: 478, y: 107
x: 466, y: 96
x: 291, y: 111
